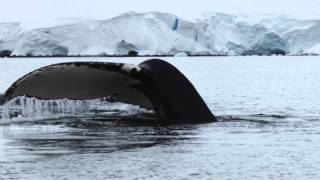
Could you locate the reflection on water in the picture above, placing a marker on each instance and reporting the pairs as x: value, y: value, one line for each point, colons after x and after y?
x: 269, y: 128
x: 29, y: 143
x: 85, y: 148
x: 61, y: 127
x: 85, y: 136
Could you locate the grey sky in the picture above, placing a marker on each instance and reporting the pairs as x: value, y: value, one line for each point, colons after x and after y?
x: 42, y: 12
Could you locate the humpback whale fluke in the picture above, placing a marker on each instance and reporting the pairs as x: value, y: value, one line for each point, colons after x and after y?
x: 153, y: 84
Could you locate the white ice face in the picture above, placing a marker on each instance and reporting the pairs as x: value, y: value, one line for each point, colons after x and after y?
x: 158, y: 33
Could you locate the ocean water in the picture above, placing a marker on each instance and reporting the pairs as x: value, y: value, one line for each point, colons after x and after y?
x: 269, y: 126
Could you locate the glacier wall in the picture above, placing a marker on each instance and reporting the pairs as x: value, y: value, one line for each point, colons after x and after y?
x: 157, y: 33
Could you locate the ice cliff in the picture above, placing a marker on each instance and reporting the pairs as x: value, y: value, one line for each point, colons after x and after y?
x: 157, y: 33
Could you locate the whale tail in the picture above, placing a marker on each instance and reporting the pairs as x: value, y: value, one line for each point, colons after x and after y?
x: 172, y: 95
x: 153, y: 84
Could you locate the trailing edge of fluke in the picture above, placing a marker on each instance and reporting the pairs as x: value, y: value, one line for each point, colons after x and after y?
x: 154, y: 84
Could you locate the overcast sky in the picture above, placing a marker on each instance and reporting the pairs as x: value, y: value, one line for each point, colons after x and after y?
x: 42, y: 12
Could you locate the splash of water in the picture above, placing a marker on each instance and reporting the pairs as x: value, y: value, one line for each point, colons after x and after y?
x: 33, y: 108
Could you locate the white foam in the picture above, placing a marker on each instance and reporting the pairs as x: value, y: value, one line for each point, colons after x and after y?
x: 25, y: 108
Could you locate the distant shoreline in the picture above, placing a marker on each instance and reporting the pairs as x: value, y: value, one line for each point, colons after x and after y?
x: 115, y: 56
x: 71, y: 56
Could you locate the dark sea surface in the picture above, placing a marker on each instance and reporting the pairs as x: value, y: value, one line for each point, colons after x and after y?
x: 269, y: 126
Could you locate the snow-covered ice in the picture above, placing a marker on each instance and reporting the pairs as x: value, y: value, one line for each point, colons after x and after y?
x: 157, y: 33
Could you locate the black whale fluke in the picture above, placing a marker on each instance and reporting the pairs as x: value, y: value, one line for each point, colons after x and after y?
x: 172, y: 94
x: 153, y: 84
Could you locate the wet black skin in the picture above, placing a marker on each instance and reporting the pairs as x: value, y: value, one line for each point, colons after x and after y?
x: 154, y: 84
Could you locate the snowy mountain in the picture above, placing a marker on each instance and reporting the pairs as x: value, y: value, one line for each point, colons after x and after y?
x: 157, y: 33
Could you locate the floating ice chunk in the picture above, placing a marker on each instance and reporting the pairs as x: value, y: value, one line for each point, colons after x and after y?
x: 181, y: 54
